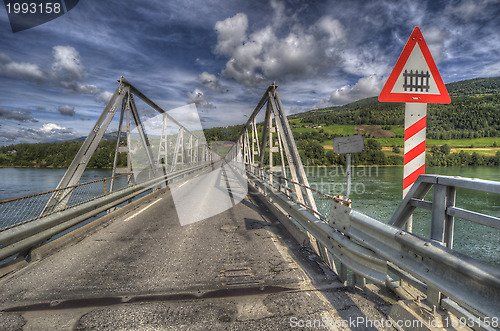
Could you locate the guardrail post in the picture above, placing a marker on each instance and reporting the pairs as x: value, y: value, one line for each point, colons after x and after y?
x: 438, y: 213
x: 343, y: 274
x: 438, y: 224
x: 359, y: 280
x: 441, y: 227
x: 451, y: 193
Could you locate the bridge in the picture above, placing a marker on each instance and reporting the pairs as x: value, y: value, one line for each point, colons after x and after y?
x: 191, y: 235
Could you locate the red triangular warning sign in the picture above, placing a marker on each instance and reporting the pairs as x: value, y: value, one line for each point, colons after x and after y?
x: 415, y: 77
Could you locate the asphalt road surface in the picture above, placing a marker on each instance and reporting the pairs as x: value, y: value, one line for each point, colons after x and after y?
x: 236, y: 270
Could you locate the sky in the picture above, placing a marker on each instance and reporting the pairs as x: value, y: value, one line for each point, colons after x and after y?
x: 56, y: 78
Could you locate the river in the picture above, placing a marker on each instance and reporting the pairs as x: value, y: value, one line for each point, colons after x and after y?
x: 376, y: 191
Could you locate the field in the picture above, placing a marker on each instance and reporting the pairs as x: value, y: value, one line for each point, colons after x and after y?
x: 388, y: 138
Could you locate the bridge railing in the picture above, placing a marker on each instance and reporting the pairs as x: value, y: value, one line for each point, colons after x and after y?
x: 16, y: 211
x: 359, y: 247
x: 374, y: 250
x: 21, y: 237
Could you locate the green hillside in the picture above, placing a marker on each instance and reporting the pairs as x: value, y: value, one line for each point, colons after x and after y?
x: 465, y: 132
x: 469, y: 124
x: 474, y: 112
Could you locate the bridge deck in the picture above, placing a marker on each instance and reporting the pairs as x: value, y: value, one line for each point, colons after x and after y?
x: 236, y: 270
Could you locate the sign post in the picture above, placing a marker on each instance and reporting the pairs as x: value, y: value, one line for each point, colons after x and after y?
x: 348, y: 145
x: 415, y: 80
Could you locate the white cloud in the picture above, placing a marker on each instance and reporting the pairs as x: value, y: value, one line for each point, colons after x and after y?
x: 435, y: 38
x: 365, y: 61
x: 468, y: 9
x: 20, y: 115
x: 49, y: 127
x: 66, y: 110
x: 103, y: 97
x: 262, y: 56
x: 67, y: 66
x: 28, y: 71
x: 491, y: 70
x: 77, y: 88
x: 332, y: 27
x: 49, y: 132
x: 199, y: 99
x: 66, y: 72
x: 230, y: 33
x: 365, y: 87
x: 211, y: 82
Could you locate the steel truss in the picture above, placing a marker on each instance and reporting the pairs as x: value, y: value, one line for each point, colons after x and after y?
x: 276, y: 137
x: 190, y: 154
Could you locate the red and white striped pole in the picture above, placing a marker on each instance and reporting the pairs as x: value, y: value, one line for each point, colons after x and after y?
x: 414, y: 80
x: 414, y: 148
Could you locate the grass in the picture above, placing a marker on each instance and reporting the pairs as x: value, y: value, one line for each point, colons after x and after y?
x: 477, y: 142
x: 390, y: 141
x: 345, y: 130
x: 398, y: 130
x: 464, y: 143
x: 481, y: 151
x: 481, y: 146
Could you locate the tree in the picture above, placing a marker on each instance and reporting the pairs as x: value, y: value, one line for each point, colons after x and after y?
x: 445, y: 149
x: 373, y: 145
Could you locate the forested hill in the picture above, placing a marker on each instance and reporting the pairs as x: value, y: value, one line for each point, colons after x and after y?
x: 474, y: 112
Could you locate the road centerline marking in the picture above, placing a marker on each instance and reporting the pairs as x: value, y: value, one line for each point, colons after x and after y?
x: 140, y: 211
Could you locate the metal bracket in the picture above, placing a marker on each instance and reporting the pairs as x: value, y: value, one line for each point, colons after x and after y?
x: 339, y: 217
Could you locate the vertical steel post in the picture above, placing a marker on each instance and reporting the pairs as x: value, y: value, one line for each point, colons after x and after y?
x: 122, y: 128
x: 270, y: 134
x: 348, y: 189
x: 75, y: 170
x: 438, y: 213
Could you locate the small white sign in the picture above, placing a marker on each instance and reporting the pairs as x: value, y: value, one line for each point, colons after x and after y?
x: 350, y: 144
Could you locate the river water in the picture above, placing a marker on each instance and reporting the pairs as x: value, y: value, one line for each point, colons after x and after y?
x: 376, y: 191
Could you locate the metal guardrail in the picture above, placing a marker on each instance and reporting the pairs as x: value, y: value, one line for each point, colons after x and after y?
x: 22, y: 237
x: 14, y: 212
x: 465, y: 286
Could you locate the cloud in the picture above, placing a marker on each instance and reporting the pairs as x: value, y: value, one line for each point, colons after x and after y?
x: 77, y: 88
x: 468, y: 9
x: 49, y: 127
x: 199, y: 99
x: 16, y: 115
x: 49, y: 132
x: 296, y: 110
x: 490, y: 70
x: 365, y: 61
x: 262, y: 56
x: 103, y: 97
x: 100, y: 96
x: 231, y: 33
x: 365, y: 87
x: 27, y: 71
x: 435, y: 38
x: 8, y: 136
x: 332, y: 28
x: 66, y: 72
x: 66, y: 110
x: 66, y: 65
x: 211, y: 82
